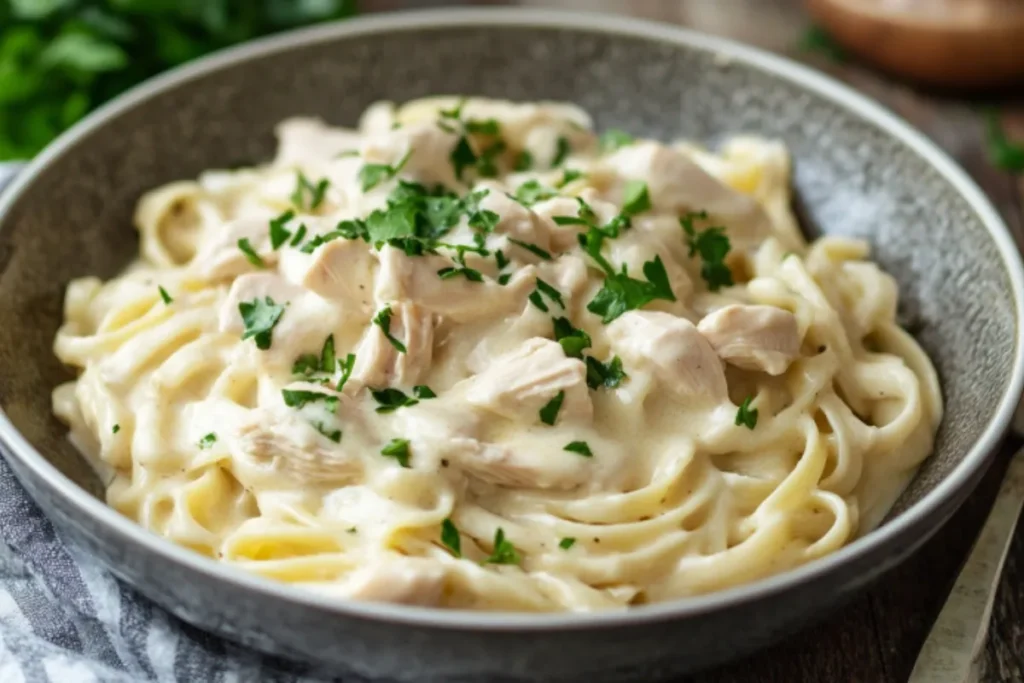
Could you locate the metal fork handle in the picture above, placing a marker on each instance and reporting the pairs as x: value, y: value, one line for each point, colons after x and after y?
x: 959, y: 632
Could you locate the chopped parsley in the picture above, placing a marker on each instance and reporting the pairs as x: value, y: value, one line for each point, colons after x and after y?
x: 504, y: 278
x: 547, y: 290
x: 572, y: 339
x: 568, y: 175
x: 712, y: 245
x: 608, y: 375
x: 523, y: 162
x: 297, y: 398
x: 306, y: 365
x: 549, y: 412
x: 397, y: 449
x: 531, y: 192
x: 372, y: 175
x: 115, y: 429
x: 346, y: 370
x: 486, y: 164
x: 307, y: 195
x: 562, y: 150
x: 278, y: 233
x: 635, y: 198
x: 504, y: 552
x: 259, y: 318
x: 423, y: 391
x: 500, y: 259
x: 567, y: 543
x: 327, y: 354
x: 483, y: 126
x: 580, y: 448
x: 391, y: 399
x: 208, y: 441
x: 470, y: 274
x: 165, y: 296
x: 613, y: 139
x: 621, y: 293
x: 250, y: 253
x: 300, y: 235
x: 450, y: 537
x: 383, y: 321
x: 462, y: 156
x: 332, y: 434
x: 1002, y: 152
x: 532, y: 248
x: 746, y: 416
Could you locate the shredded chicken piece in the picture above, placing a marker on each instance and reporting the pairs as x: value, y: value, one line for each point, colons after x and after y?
x: 341, y: 269
x: 400, y: 580
x: 380, y: 364
x: 762, y: 338
x: 672, y: 348
x: 221, y: 258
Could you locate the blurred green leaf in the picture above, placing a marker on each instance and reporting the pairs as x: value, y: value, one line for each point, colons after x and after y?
x: 83, y: 52
x: 37, y: 9
x: 817, y: 40
x: 1002, y: 152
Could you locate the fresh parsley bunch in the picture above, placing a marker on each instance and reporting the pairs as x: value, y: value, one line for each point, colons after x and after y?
x: 59, y: 59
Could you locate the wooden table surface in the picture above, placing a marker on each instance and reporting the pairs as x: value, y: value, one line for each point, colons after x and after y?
x: 875, y: 639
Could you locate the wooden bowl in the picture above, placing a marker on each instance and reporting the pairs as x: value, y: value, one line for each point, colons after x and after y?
x: 952, y: 43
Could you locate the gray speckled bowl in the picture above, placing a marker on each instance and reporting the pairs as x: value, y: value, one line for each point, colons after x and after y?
x: 859, y: 171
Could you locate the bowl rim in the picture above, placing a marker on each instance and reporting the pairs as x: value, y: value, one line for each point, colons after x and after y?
x: 98, y: 513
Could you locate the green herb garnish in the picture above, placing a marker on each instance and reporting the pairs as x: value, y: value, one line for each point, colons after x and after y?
x: 612, y: 139
x: 383, y: 321
x: 568, y: 175
x: 483, y: 126
x: 621, y: 293
x: 746, y: 416
x: 532, y: 248
x: 523, y: 162
x: 817, y: 40
x: 1002, y: 152
x: 635, y: 198
x: 297, y: 398
x: 572, y: 339
x: 250, y: 253
x: 391, y: 399
x: 549, y: 413
x: 397, y: 449
x: 332, y: 434
x: 562, y: 150
x: 165, y: 296
x: 278, y: 233
x: 547, y: 290
x: 307, y: 195
x: 531, y: 192
x: 346, y: 370
x: 305, y: 365
x: 608, y: 375
x: 208, y: 441
x: 115, y: 429
x: 566, y: 543
x: 259, y: 318
x: 450, y: 537
x: 580, y: 448
x: 712, y: 245
x: 422, y: 391
x: 300, y: 234
x: 504, y: 552
x: 371, y: 175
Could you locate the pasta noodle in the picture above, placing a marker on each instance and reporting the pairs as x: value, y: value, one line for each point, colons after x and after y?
x: 473, y: 355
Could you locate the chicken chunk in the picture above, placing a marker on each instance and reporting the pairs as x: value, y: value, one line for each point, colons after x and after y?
x: 518, y: 384
x: 677, y: 184
x: 341, y: 270
x: 674, y: 351
x: 220, y: 256
x: 276, y: 443
x: 302, y: 140
x: 400, y: 580
x: 762, y: 338
x: 514, y: 219
x: 415, y: 278
x: 425, y: 143
x: 380, y: 364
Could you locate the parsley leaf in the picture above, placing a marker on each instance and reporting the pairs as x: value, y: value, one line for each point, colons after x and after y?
x: 450, y: 537
x: 165, y: 296
x: 572, y: 339
x: 483, y: 126
x: 306, y: 365
x: 568, y: 175
x: 115, y: 429
x: 621, y: 293
x: 523, y: 162
x: 462, y: 156
x: 562, y: 150
x: 346, y: 370
x: 567, y: 543
x: 307, y: 195
x: 327, y: 354
x: 383, y: 321
x: 746, y: 416
x: 391, y: 399
x: 259, y: 318
x: 635, y: 198
x: 399, y: 450
x: 297, y: 398
x: 548, y: 291
x: 423, y: 391
x: 207, y: 441
x: 372, y: 175
x: 1002, y: 152
x: 300, y: 234
x: 549, y: 413
x: 608, y: 375
x: 613, y: 138
x: 532, y: 248
x: 250, y: 253
x: 580, y: 448
x: 395, y: 222
x: 531, y: 192
x: 332, y: 434
x: 504, y: 552
x: 712, y: 244
x: 278, y: 233
x: 500, y: 259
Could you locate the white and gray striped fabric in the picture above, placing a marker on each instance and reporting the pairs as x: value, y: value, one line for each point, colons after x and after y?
x: 64, y: 619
